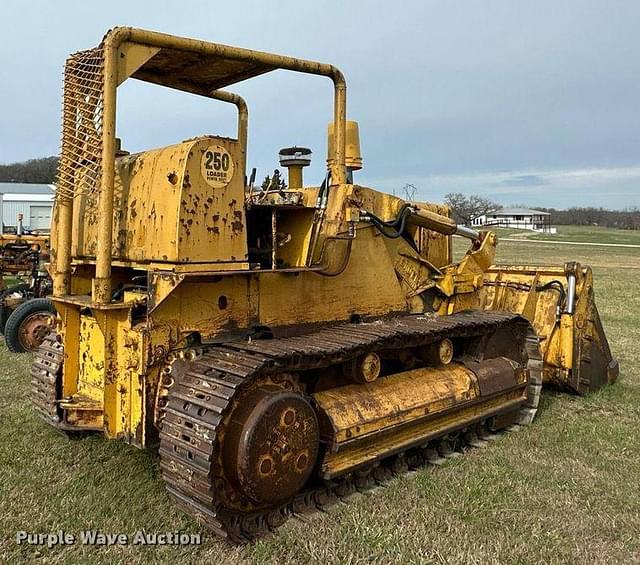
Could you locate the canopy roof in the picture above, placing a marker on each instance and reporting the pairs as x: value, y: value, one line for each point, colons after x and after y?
x: 518, y: 212
x: 197, y: 72
x: 198, y: 66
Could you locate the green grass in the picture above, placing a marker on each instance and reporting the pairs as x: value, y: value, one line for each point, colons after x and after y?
x: 11, y: 280
x: 563, y: 490
x: 578, y: 234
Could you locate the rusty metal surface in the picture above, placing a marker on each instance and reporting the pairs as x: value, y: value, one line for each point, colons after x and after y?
x: 352, y: 413
x: 89, y: 114
x: 46, y: 386
x: 205, y: 390
x: 207, y: 224
x: 19, y: 254
x: 80, y: 164
x: 34, y: 328
x: 367, y: 369
x: 560, y: 304
x: 46, y: 371
x: 271, y: 445
x: 407, y: 409
x: 494, y: 375
x: 596, y: 366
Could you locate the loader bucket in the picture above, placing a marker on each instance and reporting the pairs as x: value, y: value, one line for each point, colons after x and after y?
x: 560, y: 304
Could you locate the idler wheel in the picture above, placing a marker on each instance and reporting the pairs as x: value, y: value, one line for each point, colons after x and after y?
x: 439, y: 353
x: 271, y: 445
x: 369, y: 368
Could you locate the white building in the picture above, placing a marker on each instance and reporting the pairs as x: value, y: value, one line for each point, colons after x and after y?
x: 33, y: 201
x: 519, y: 218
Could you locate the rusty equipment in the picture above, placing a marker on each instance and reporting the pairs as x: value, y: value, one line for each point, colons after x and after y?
x: 16, y: 252
x: 287, y: 345
x: 24, y: 257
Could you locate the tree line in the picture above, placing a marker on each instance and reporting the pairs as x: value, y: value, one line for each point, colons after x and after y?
x: 40, y: 171
x: 464, y: 208
x: 627, y: 219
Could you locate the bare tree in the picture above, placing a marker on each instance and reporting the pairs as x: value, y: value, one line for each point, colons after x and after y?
x: 465, y: 208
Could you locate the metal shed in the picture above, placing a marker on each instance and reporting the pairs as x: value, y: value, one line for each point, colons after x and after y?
x: 33, y: 201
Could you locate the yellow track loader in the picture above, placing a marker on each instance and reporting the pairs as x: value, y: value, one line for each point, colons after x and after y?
x: 281, y: 346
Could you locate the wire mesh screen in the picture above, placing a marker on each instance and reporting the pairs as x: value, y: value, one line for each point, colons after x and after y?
x: 80, y: 165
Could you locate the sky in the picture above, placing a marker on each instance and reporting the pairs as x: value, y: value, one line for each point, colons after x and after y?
x: 524, y: 102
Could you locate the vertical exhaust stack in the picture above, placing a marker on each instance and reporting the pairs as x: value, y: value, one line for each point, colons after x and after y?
x: 295, y: 158
x: 353, y: 158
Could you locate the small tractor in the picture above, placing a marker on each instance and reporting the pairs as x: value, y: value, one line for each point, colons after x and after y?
x: 26, y: 315
x: 280, y: 346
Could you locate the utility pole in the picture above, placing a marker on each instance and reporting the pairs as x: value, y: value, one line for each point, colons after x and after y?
x: 409, y: 191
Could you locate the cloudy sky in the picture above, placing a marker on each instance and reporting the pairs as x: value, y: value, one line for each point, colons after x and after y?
x: 528, y: 102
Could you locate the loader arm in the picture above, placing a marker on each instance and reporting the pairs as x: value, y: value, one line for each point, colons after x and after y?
x: 558, y: 301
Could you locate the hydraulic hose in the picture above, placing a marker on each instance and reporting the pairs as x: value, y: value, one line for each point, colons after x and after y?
x: 405, y: 209
x: 345, y: 259
x: 400, y: 220
x: 558, y: 287
x: 391, y: 235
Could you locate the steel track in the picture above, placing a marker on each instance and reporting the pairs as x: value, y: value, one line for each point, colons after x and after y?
x: 202, y: 393
x: 46, y: 374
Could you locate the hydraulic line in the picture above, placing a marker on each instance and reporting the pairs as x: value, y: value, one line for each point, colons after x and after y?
x: 400, y: 220
x: 405, y: 209
x: 558, y: 287
x: 345, y: 260
x: 391, y: 235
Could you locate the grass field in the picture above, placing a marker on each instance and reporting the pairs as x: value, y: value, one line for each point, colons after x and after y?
x: 578, y: 234
x: 563, y: 490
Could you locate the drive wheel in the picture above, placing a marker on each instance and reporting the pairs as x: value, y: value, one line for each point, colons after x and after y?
x: 271, y: 445
x: 5, y: 311
x: 28, y: 325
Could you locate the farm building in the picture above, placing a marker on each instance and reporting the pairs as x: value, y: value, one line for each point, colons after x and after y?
x: 33, y: 201
x: 519, y: 218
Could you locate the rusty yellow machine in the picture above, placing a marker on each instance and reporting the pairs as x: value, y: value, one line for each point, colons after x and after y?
x: 285, y: 345
x: 25, y: 313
